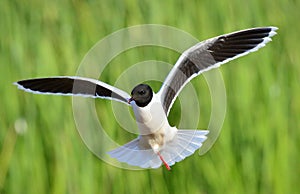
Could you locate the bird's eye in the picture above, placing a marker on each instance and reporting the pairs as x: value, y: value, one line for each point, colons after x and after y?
x: 141, y: 92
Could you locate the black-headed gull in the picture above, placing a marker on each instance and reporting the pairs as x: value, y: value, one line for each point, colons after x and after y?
x: 158, y: 142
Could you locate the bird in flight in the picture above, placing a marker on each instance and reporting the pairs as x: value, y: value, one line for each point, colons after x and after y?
x: 159, y: 143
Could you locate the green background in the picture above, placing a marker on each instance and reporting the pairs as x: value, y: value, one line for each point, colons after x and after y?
x: 256, y: 152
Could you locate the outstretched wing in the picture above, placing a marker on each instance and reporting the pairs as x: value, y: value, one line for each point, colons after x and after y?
x: 73, y: 86
x: 211, y: 54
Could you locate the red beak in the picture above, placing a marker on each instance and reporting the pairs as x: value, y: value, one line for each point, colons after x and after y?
x: 129, y: 100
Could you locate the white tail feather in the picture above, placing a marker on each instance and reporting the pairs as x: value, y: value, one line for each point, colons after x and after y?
x: 184, y: 144
x: 132, y: 154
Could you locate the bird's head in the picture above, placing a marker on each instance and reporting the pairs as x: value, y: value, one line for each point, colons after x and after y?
x: 142, y: 95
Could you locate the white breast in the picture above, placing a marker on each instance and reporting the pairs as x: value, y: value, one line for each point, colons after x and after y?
x: 150, y: 118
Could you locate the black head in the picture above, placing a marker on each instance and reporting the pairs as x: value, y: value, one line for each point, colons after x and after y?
x: 142, y: 95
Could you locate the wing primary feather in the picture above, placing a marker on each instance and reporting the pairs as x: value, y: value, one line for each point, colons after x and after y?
x: 211, y: 54
x: 73, y: 86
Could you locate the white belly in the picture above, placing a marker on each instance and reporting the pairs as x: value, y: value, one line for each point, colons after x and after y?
x: 153, y: 124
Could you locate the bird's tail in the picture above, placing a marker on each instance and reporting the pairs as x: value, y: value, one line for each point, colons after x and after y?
x: 184, y: 144
x: 132, y: 154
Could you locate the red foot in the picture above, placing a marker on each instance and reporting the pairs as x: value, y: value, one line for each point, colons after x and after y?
x: 160, y: 156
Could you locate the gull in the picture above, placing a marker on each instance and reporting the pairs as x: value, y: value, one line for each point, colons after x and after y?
x: 159, y: 143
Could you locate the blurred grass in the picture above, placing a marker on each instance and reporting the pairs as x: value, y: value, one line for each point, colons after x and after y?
x: 257, y: 151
